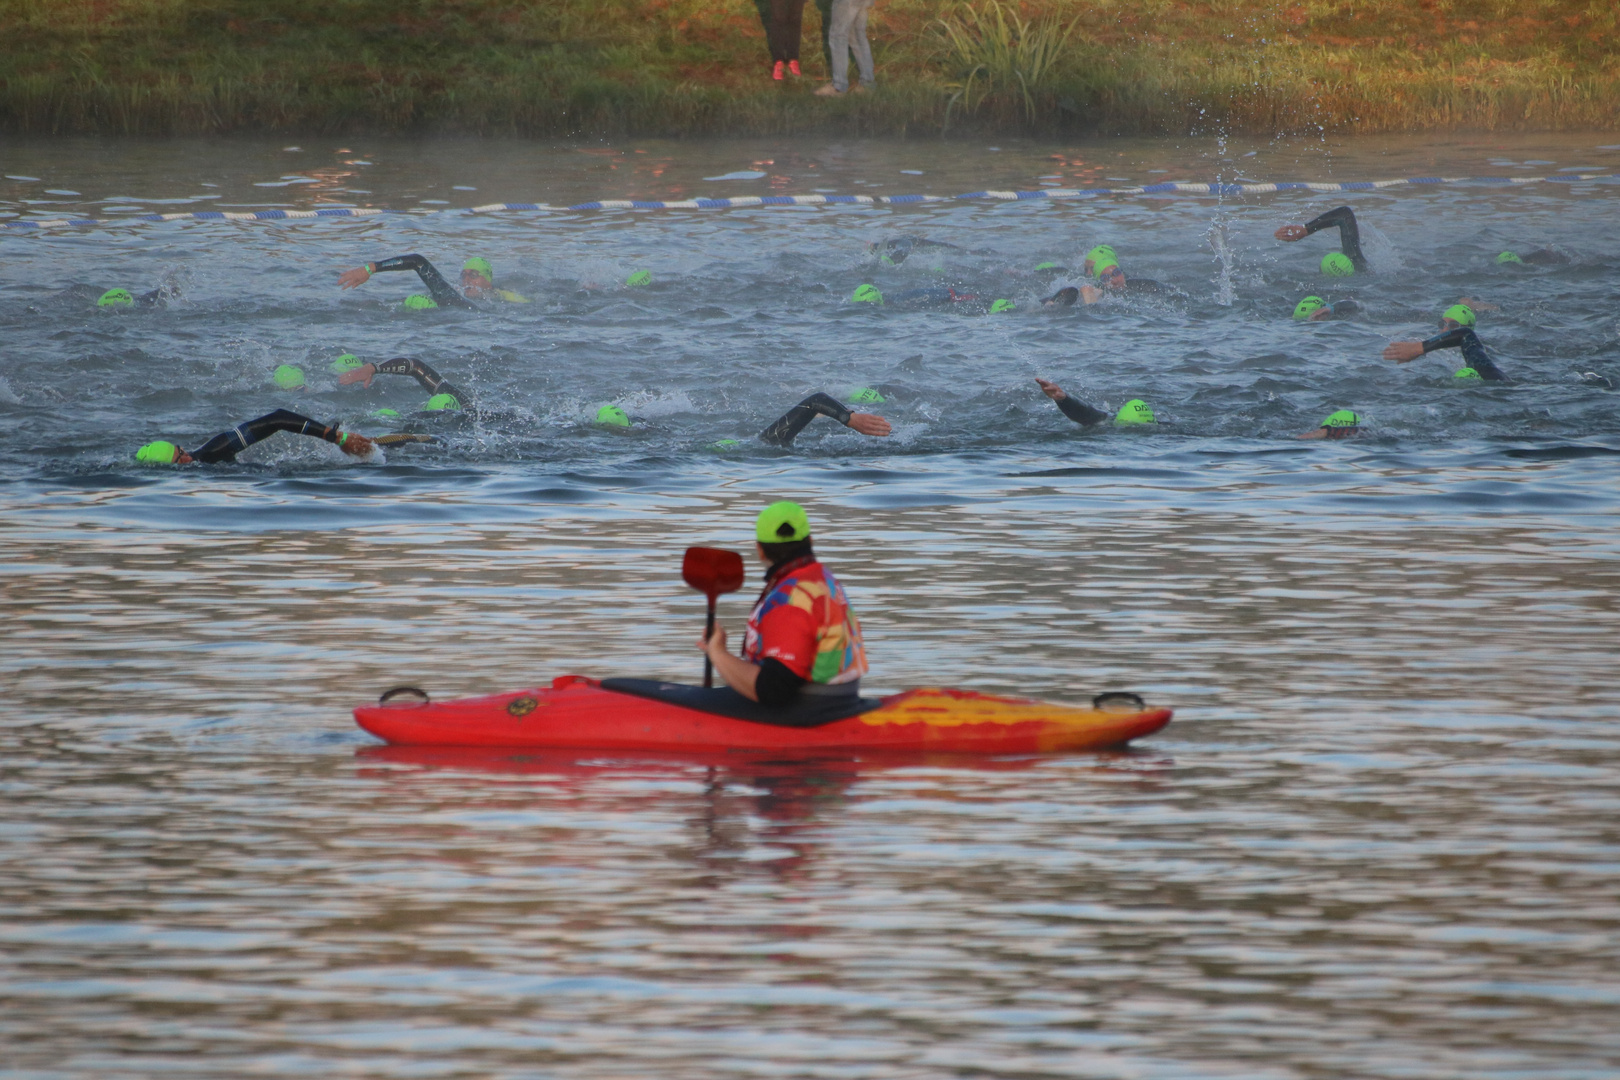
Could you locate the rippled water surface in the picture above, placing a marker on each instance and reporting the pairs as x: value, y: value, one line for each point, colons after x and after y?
x: 1377, y: 841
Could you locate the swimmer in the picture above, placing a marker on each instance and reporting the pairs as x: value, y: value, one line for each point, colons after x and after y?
x: 1134, y: 411
x: 1539, y: 257
x: 1316, y: 309
x: 1343, y: 424
x: 1457, y: 332
x: 121, y: 298
x: 428, y: 379
x: 1349, y: 259
x: 1111, y: 279
x: 477, y: 282
x: 227, y: 444
x: 797, y: 418
x: 896, y: 251
x: 940, y: 296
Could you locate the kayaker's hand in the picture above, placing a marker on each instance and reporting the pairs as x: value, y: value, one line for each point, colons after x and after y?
x: 1403, y: 352
x: 716, y: 642
x: 353, y: 279
x: 867, y: 424
x: 1051, y: 389
x: 1290, y: 233
x: 362, y: 374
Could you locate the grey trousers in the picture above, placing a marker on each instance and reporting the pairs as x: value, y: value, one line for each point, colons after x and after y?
x: 849, y: 32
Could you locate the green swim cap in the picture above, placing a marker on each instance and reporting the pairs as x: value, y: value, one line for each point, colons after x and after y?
x: 288, y: 377
x: 1337, y: 264
x: 1342, y: 418
x: 1509, y: 257
x: 1101, y: 253
x: 866, y: 294
x: 1048, y: 266
x: 1467, y: 373
x: 386, y: 414
x: 638, y: 279
x: 116, y: 298
x: 865, y: 395
x: 347, y: 362
x: 482, y: 266
x: 1461, y: 313
x: 442, y: 403
x: 1308, y: 307
x: 613, y: 416
x: 420, y: 303
x: 782, y: 523
x: 158, y: 453
x: 1134, y: 411
x: 724, y: 444
x: 1002, y: 305
x: 1102, y: 266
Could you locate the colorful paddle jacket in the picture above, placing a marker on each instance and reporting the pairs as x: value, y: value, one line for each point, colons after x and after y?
x: 803, y: 620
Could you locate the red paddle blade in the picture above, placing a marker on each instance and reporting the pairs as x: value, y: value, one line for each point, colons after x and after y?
x: 712, y: 571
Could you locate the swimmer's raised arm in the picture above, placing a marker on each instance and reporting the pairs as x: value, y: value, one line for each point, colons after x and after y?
x: 440, y: 289
x: 1462, y: 337
x: 227, y: 444
x: 1073, y: 408
x: 1349, y: 233
x: 425, y: 376
x: 798, y: 418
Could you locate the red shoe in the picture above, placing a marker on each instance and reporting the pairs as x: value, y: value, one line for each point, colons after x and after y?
x: 776, y: 73
x: 793, y: 66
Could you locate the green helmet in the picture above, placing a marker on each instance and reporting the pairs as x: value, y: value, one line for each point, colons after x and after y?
x: 1101, y: 253
x: 1466, y: 373
x: 613, y: 416
x: 480, y: 265
x: 116, y: 298
x: 442, y: 403
x: 865, y: 395
x: 347, y: 362
x: 160, y: 452
x: 638, y: 279
x: 1342, y: 418
x: 1308, y: 307
x: 1460, y: 313
x: 1002, y: 305
x: 782, y: 523
x: 420, y: 303
x: 866, y: 294
x: 1509, y: 257
x: 288, y: 377
x: 724, y: 444
x: 1134, y: 411
x: 1337, y: 264
x: 1102, y: 266
x: 386, y: 414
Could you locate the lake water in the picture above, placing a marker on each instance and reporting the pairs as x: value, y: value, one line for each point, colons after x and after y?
x: 1377, y: 841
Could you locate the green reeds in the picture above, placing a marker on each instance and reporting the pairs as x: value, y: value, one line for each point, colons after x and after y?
x: 990, y: 50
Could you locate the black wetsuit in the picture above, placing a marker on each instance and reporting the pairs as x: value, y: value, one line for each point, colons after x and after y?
x: 797, y: 418
x: 1079, y: 411
x: 1544, y: 257
x: 443, y: 294
x: 1343, y: 309
x: 1473, y: 350
x: 425, y: 377
x: 897, y: 251
x: 1349, y: 233
x: 1064, y: 297
x: 227, y: 444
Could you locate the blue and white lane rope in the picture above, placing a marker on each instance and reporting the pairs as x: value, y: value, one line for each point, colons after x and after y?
x: 831, y: 200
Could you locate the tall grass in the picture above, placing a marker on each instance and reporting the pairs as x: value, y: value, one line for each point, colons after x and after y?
x: 991, y: 50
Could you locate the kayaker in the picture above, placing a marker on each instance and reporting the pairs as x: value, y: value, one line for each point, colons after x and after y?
x: 1348, y: 260
x: 803, y: 643
x: 227, y: 444
x: 1457, y: 332
x: 477, y: 282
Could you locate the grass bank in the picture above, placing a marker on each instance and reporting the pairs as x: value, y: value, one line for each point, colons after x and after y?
x: 689, y: 67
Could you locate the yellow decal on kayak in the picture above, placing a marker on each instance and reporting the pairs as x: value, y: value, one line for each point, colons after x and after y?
x: 522, y: 706
x: 957, y: 708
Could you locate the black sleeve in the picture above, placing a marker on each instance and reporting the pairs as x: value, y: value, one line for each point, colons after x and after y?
x: 425, y: 377
x: 1079, y: 411
x: 1345, y: 308
x: 1145, y: 285
x: 1473, y: 350
x: 1546, y: 257
x: 776, y: 684
x: 1349, y: 233
x: 443, y: 294
x: 227, y: 444
x: 797, y: 418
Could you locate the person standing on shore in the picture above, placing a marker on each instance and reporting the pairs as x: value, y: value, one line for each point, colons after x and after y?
x: 784, y: 22
x: 848, y: 31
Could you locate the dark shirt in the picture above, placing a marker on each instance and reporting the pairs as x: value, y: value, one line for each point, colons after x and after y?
x: 798, y: 418
x: 227, y: 444
x: 1349, y: 233
x: 442, y: 292
x: 1473, y: 351
x: 1079, y: 411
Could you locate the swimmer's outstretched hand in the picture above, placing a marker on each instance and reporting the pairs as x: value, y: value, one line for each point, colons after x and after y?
x: 356, y: 445
x: 353, y: 279
x: 362, y: 374
x: 1051, y: 389
x: 1090, y: 293
x: 1290, y: 233
x: 867, y: 424
x: 1403, y: 352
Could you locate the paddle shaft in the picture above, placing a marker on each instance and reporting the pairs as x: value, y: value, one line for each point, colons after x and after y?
x: 708, y: 632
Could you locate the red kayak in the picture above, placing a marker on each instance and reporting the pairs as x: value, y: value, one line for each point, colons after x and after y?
x: 579, y: 713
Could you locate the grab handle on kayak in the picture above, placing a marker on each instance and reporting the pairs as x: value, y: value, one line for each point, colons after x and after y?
x: 1113, y: 699
x: 387, y: 695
